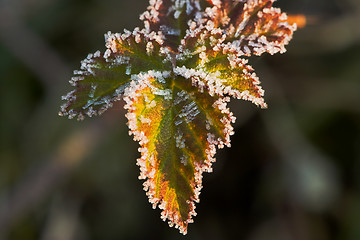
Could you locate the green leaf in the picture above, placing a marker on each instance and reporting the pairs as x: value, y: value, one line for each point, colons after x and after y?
x: 98, y: 84
x: 178, y: 128
x: 214, y: 65
x: 235, y: 78
x: 103, y: 78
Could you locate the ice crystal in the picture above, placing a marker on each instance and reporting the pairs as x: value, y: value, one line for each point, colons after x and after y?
x: 176, y: 76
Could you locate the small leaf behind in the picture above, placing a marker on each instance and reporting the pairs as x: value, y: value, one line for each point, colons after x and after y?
x: 103, y: 78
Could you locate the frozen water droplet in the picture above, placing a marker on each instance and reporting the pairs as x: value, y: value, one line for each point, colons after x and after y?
x: 92, y: 91
x: 128, y: 70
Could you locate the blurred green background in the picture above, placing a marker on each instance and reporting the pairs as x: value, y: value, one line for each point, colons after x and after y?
x: 293, y: 172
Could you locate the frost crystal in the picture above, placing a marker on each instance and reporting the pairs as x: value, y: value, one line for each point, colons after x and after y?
x: 176, y: 76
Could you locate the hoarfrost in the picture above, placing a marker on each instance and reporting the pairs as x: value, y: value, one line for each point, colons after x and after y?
x: 189, y: 112
x: 184, y: 159
x: 179, y: 140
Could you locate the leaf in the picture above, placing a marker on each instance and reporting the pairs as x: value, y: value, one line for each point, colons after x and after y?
x: 178, y: 128
x: 177, y: 75
x: 253, y: 26
x: 223, y: 74
x: 103, y: 78
x: 170, y: 17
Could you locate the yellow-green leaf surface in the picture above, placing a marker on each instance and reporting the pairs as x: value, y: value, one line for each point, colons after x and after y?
x: 178, y: 128
x: 235, y: 78
x: 222, y: 74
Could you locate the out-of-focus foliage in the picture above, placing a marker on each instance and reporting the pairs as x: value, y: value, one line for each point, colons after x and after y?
x: 294, y: 176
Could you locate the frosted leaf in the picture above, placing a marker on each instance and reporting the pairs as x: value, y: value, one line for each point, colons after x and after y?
x: 254, y: 25
x: 193, y: 153
x: 97, y: 85
x: 176, y: 76
x: 170, y: 17
x: 103, y: 78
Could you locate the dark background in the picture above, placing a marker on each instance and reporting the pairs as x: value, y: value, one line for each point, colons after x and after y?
x: 292, y: 172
